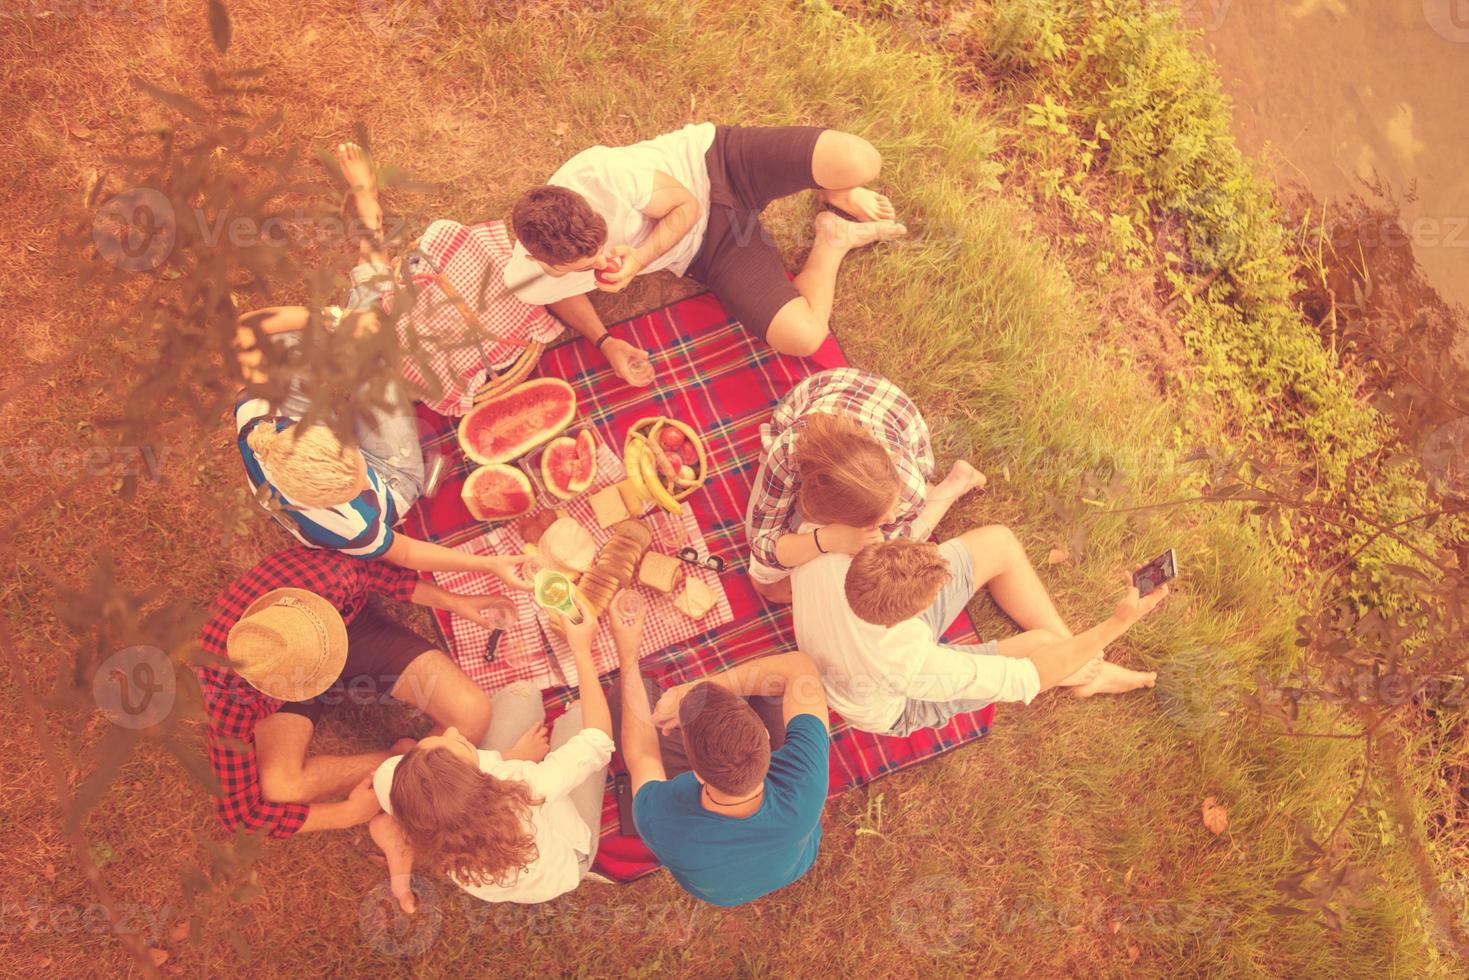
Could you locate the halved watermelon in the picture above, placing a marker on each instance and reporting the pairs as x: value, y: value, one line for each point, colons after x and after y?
x: 511, y: 425
x: 568, y: 465
x: 497, y: 493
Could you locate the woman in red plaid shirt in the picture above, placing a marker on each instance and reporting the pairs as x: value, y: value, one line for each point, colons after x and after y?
x: 294, y: 635
x: 849, y: 452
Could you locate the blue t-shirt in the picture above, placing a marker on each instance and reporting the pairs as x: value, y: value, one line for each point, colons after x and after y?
x: 731, y: 860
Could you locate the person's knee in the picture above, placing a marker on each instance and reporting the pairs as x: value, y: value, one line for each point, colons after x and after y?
x: 521, y: 689
x: 474, y: 716
x: 993, y: 537
x: 798, y: 335
x: 282, y: 784
x: 995, y: 546
x: 848, y: 160
x: 865, y: 160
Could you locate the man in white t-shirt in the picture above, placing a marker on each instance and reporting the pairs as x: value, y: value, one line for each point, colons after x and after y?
x: 689, y: 202
x: 873, y: 623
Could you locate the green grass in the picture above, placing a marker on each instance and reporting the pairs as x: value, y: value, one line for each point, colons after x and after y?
x: 1069, y: 842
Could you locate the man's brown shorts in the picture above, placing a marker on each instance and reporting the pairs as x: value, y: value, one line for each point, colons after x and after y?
x: 379, y: 649
x: 750, y: 166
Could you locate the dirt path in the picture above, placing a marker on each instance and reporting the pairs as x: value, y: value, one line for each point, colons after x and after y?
x: 1346, y: 91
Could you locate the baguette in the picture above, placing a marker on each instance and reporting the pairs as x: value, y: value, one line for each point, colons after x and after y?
x: 616, y: 565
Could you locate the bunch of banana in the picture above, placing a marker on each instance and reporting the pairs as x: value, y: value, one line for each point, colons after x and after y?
x: 665, y: 461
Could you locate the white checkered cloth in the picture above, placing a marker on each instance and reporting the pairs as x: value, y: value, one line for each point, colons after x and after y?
x: 445, y: 362
x: 532, y: 650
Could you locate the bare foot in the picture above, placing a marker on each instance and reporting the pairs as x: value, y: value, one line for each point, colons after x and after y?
x: 962, y: 478
x: 1085, y: 674
x: 361, y: 181
x: 836, y: 232
x: 1113, y: 679
x: 861, y: 203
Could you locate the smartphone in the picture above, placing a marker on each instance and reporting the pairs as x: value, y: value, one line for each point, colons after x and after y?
x: 623, y: 787
x: 1156, y: 573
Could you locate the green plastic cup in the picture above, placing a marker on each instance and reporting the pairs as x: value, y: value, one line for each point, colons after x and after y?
x: 554, y: 591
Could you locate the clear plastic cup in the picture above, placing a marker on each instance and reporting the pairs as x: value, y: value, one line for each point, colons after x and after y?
x: 627, y: 605
x: 502, y: 613
x: 641, y: 371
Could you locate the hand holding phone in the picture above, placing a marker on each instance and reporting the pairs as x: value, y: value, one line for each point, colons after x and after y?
x: 1156, y: 573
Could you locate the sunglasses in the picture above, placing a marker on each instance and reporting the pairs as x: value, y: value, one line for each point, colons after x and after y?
x: 712, y: 562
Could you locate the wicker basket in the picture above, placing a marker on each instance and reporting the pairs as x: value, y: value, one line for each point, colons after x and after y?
x: 513, y: 375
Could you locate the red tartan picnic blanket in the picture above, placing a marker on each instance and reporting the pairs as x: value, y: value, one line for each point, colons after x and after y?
x: 717, y: 377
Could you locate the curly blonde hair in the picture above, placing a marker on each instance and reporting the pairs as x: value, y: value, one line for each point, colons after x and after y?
x: 846, y: 476
x: 308, y: 463
x: 462, y: 821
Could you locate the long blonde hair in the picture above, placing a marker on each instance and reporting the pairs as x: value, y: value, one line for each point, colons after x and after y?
x: 308, y: 464
x: 846, y: 476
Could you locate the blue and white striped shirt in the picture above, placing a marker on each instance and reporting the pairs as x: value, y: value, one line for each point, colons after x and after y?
x: 361, y: 527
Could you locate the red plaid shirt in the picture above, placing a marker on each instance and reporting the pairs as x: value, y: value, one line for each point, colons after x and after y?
x: 234, y: 707
x: 444, y: 360
x: 874, y: 403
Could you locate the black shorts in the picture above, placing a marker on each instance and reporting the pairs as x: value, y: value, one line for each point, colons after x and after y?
x: 750, y: 166
x: 379, y: 649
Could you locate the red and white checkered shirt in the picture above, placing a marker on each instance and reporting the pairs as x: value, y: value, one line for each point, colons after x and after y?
x: 234, y: 707
x: 444, y: 359
x: 872, y: 402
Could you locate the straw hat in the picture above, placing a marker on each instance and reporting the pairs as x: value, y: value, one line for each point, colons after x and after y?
x: 290, y: 644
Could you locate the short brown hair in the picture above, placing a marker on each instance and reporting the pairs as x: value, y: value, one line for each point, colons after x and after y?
x: 896, y: 580
x: 846, y: 476
x: 727, y: 744
x: 462, y: 821
x: 557, y: 225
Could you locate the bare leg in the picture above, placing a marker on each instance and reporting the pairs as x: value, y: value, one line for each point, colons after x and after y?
x: 362, y: 182
x: 1030, y: 641
x: 1000, y: 564
x: 842, y: 164
x: 288, y: 776
x: 802, y: 324
x: 435, y: 685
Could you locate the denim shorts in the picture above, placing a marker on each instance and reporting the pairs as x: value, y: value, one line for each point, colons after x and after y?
x: 939, y: 617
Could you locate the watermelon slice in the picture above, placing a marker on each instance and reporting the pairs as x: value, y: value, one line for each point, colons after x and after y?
x: 497, y: 493
x: 510, y: 425
x: 568, y: 465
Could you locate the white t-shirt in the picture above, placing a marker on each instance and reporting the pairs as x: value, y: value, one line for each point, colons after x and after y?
x: 562, y: 836
x: 871, y: 672
x: 617, y: 182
